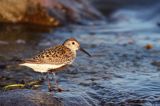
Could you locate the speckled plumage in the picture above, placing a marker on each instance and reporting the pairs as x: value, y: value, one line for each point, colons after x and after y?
x: 55, y: 55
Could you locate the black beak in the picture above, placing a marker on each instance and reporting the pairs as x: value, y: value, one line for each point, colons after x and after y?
x: 81, y: 49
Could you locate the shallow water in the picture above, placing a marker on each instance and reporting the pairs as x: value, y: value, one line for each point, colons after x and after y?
x: 120, y: 71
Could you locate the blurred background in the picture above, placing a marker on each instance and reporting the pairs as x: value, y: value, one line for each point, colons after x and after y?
x: 28, y: 23
x: 122, y: 35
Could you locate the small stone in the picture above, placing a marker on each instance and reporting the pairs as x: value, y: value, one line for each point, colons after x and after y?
x: 149, y: 46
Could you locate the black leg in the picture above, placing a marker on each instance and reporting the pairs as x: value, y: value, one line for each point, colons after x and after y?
x: 56, y: 83
x: 49, y: 82
x: 55, y: 79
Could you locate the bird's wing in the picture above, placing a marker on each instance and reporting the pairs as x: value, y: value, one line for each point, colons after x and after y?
x: 54, y: 55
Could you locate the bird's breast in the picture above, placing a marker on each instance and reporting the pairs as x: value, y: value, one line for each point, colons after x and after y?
x: 42, y: 67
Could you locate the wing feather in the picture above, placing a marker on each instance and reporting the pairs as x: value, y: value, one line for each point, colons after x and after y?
x: 54, y: 55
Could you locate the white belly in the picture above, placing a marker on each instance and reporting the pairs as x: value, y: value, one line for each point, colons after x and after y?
x: 41, y: 67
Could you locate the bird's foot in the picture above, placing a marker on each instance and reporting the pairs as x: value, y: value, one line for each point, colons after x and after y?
x: 55, y: 88
x: 59, y: 89
x: 49, y: 88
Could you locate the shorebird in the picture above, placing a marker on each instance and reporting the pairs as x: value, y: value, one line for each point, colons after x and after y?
x: 54, y: 59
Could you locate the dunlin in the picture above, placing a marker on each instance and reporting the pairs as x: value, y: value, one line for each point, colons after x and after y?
x: 53, y: 59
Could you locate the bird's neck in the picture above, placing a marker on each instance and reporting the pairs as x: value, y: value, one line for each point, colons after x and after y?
x: 74, y: 52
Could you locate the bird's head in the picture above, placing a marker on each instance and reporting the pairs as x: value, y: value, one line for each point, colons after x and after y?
x: 74, y: 45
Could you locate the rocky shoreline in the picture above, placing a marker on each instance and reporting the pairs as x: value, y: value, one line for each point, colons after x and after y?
x: 47, y: 12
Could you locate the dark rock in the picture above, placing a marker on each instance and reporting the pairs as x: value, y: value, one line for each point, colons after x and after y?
x: 28, y: 98
x: 39, y: 98
x: 46, y: 12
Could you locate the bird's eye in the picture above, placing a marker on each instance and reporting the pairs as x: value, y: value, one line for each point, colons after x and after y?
x: 73, y: 43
